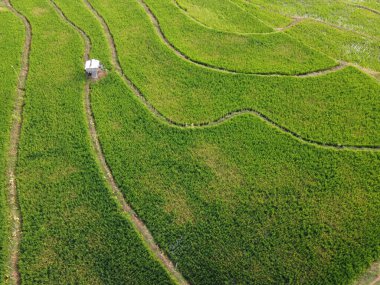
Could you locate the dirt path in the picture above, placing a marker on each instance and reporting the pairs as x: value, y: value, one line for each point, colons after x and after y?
x: 374, y: 282
x: 228, y: 116
x: 14, y: 207
x: 136, y: 221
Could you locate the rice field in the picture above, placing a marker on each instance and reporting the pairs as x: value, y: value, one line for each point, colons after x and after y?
x: 229, y: 142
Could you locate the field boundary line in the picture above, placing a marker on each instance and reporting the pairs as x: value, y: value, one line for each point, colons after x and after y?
x: 154, y: 20
x: 296, y: 21
x: 184, y: 11
x: 220, y: 120
x: 13, y: 200
x: 367, y: 8
x: 138, y: 224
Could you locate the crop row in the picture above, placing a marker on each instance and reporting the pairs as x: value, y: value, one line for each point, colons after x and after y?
x: 242, y: 202
x: 11, y: 43
x: 256, y: 53
x: 339, y: 41
x: 223, y: 15
x: 73, y: 232
x: 338, y: 108
x: 343, y: 13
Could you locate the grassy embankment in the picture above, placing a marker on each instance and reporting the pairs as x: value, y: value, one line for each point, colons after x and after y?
x: 73, y: 231
x: 11, y: 44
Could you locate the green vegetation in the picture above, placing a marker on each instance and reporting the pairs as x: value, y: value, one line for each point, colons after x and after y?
x: 269, y: 17
x: 339, y: 44
x: 11, y: 44
x: 268, y: 53
x: 73, y: 231
x: 241, y: 202
x: 336, y: 12
x: 341, y: 107
x: 223, y: 15
x: 270, y: 210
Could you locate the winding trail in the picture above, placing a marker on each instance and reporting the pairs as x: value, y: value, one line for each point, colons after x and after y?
x: 136, y: 221
x: 15, y: 211
x: 228, y: 116
x: 374, y: 282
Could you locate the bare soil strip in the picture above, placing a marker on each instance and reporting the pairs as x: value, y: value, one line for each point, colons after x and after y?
x: 228, y: 116
x: 176, y: 51
x: 137, y: 222
x: 374, y: 282
x: 14, y: 207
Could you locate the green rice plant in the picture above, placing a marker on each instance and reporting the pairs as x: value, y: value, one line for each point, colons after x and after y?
x: 339, y: 44
x: 339, y: 12
x: 341, y: 107
x: 255, y: 53
x: 222, y: 15
x: 11, y: 44
x: 242, y: 203
x: 272, y: 19
x: 73, y: 231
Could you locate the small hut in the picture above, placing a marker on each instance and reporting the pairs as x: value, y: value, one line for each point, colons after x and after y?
x: 93, y: 67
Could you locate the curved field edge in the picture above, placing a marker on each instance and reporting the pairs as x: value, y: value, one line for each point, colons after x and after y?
x: 189, y: 95
x: 115, y: 125
x: 338, y: 43
x: 222, y: 16
x: 199, y: 192
x: 138, y: 224
x: 11, y: 45
x: 272, y: 53
x: 341, y: 13
x: 73, y: 231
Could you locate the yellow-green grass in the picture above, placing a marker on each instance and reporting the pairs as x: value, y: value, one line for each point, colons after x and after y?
x: 268, y: 53
x: 261, y: 210
x: 73, y: 232
x: 339, y: 44
x: 341, y: 107
x: 223, y: 15
x: 341, y: 13
x: 11, y: 45
x: 242, y: 203
x: 271, y: 18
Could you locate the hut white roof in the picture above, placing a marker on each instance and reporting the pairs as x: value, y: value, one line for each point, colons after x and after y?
x: 92, y: 64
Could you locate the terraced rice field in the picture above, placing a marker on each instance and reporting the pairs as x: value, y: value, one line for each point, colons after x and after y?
x: 230, y: 142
